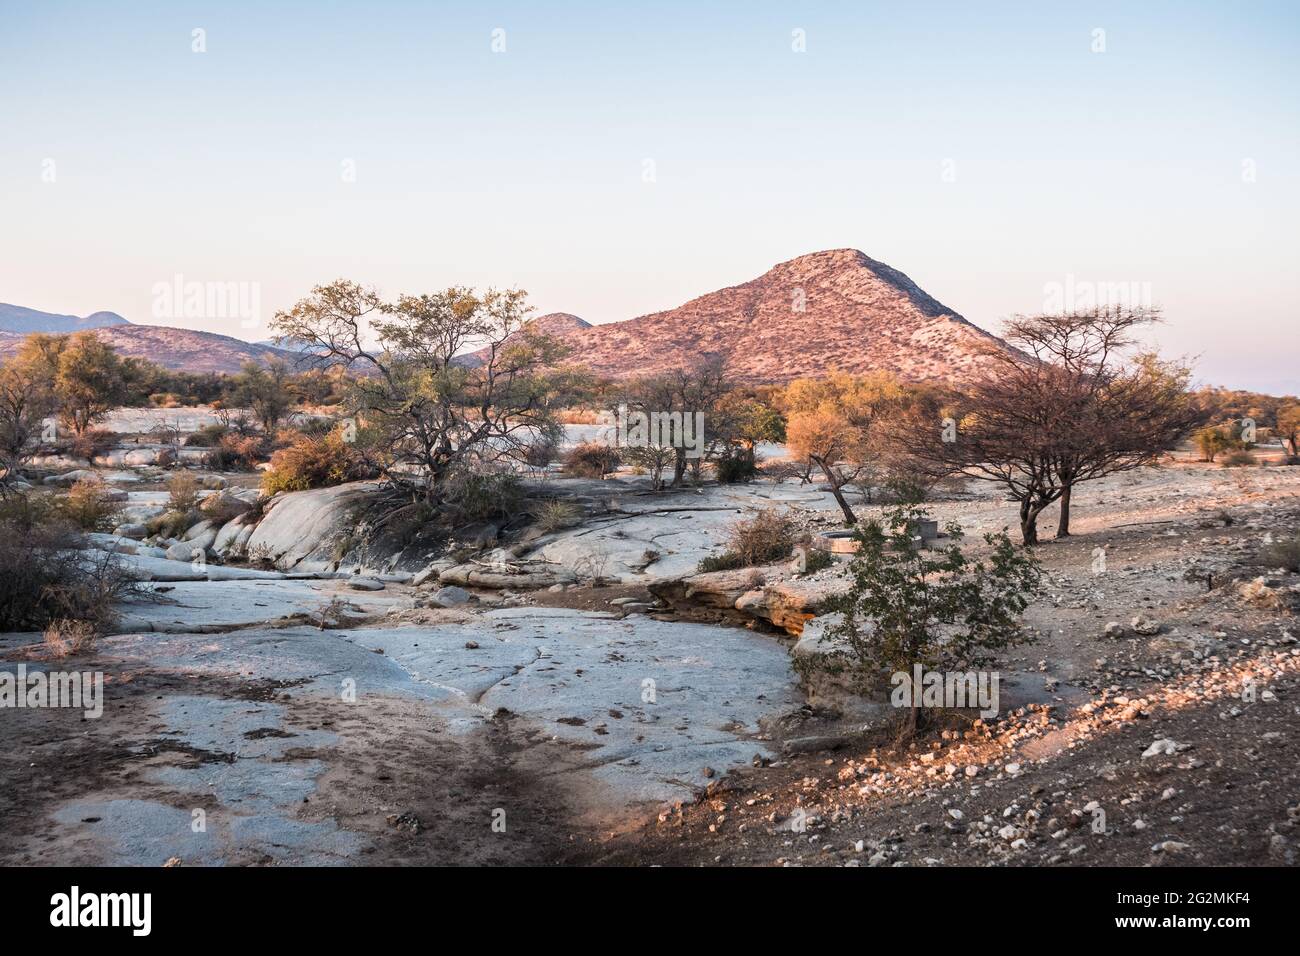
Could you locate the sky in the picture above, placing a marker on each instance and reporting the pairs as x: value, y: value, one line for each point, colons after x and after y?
x: 618, y: 159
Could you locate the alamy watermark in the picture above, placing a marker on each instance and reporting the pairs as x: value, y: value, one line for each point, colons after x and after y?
x: 951, y: 689
x: 1079, y: 295
x: 79, y: 690
x: 179, y: 299
x: 639, y: 429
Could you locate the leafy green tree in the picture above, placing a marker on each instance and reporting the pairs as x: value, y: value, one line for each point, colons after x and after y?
x: 25, y: 401
x: 86, y: 376
x: 937, y: 608
x: 433, y: 413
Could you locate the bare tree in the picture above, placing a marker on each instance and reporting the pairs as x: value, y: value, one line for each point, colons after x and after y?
x: 1070, y: 403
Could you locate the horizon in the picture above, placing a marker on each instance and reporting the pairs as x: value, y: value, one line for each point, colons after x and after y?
x: 564, y: 158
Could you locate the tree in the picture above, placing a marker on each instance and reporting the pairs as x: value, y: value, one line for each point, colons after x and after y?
x: 1288, y: 427
x: 430, y: 411
x: 1068, y: 403
x: 264, y: 390
x: 1211, y: 440
x: 25, y: 401
x: 700, y: 388
x: 834, y: 423
x: 85, y: 375
x: 941, y: 610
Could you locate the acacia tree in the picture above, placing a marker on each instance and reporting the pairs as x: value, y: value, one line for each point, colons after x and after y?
x: 264, y: 390
x: 427, y: 409
x: 1288, y: 427
x: 85, y: 376
x: 1068, y: 403
x: 835, y: 423
x: 25, y: 401
x: 702, y: 387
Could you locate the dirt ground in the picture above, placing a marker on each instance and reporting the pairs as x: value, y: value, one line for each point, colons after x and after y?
x: 1065, y: 781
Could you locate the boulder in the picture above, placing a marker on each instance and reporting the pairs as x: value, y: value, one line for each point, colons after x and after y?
x: 300, y: 529
x: 522, y: 577
x: 134, y: 531
x: 71, y: 477
x: 431, y: 571
x: 733, y: 596
x: 365, y: 584
x: 450, y: 596
x: 186, y: 551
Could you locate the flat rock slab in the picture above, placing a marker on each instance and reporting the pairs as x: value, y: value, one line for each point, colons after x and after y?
x: 645, y: 704
x: 221, y: 605
x: 650, y: 702
x: 257, y: 791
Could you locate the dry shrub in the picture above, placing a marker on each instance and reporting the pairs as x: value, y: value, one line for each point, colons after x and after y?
x: 91, y: 442
x: 87, y: 506
x: 234, y: 453
x: 779, y: 469
x: 766, y: 537
x: 558, y: 515
x: 314, y: 462
x: 67, y: 636
x: 1238, y: 459
x: 590, y: 460
x: 182, y: 493
x: 579, y: 416
x: 44, y: 577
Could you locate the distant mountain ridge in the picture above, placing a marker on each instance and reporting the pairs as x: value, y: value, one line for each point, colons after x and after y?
x: 184, y: 350
x: 22, y: 320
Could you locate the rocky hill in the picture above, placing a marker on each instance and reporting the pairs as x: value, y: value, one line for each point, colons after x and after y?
x: 834, y: 310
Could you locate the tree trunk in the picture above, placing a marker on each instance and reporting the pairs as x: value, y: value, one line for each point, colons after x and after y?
x: 1028, y: 523
x: 1063, y: 525
x: 833, y: 480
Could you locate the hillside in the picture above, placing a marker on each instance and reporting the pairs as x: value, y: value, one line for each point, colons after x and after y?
x: 834, y: 310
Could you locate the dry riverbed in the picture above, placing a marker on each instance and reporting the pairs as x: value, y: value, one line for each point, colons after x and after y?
x: 312, y: 717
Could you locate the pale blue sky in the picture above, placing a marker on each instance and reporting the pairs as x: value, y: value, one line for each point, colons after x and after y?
x: 526, y: 167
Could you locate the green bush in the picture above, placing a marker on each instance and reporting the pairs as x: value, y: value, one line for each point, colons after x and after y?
x: 474, y: 496
x: 909, y: 606
x: 735, y: 466
x: 817, y: 560
x: 207, y: 437
x: 1238, y: 459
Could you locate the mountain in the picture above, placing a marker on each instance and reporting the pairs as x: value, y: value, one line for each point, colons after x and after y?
x: 827, y: 311
x: 17, y: 318
x: 181, y: 349
x: 558, y: 324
